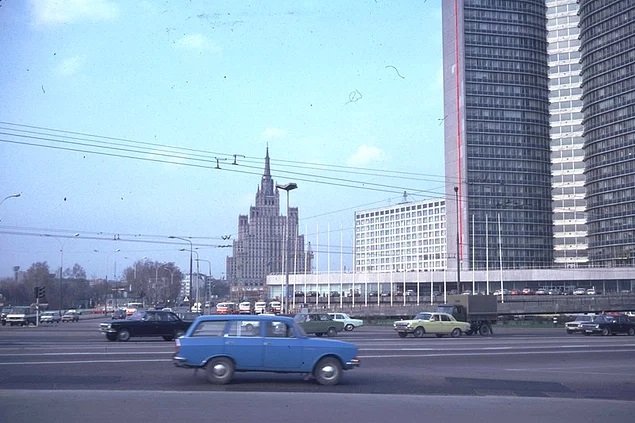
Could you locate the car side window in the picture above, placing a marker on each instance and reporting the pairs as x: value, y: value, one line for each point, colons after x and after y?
x: 210, y: 329
x: 278, y: 330
x: 445, y: 318
x: 244, y: 328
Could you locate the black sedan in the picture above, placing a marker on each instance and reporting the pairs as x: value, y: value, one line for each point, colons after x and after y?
x: 165, y: 324
x: 609, y: 325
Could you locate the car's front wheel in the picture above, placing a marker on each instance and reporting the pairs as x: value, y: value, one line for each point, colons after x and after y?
x: 123, y: 335
x: 631, y: 332
x: 328, y: 371
x: 419, y: 332
x: 605, y: 332
x: 220, y: 371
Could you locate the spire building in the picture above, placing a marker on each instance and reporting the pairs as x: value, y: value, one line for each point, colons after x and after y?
x: 260, y: 248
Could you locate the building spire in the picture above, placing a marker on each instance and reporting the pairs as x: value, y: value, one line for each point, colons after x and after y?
x: 266, y: 185
x: 267, y: 173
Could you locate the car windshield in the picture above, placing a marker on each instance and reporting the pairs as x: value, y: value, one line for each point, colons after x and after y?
x: 423, y: 316
x: 584, y: 318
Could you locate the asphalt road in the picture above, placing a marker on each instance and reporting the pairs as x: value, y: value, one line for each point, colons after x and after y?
x: 68, y: 372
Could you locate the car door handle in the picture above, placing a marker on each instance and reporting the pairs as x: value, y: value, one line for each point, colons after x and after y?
x: 266, y: 343
x: 230, y: 343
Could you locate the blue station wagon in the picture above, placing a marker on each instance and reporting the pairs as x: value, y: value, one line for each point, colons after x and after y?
x: 223, y: 345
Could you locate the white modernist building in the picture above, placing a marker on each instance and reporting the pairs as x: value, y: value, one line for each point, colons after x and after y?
x: 401, y: 238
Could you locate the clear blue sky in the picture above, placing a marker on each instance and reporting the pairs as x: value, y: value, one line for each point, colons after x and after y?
x: 114, y: 113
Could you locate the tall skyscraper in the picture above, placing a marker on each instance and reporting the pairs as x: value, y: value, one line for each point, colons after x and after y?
x: 567, y: 155
x: 497, y: 148
x: 260, y: 247
x: 504, y: 63
x: 607, y: 36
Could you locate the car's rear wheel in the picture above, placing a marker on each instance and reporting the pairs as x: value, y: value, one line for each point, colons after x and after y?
x: 328, y: 371
x: 456, y: 332
x: 331, y: 332
x: 631, y: 332
x: 349, y: 327
x: 402, y: 334
x: 123, y: 335
x: 419, y: 332
x: 178, y: 333
x: 220, y: 371
x: 605, y: 332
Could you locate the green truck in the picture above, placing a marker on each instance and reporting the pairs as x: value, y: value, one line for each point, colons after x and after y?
x: 480, y: 311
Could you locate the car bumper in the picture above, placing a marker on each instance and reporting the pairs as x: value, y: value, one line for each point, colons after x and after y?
x: 351, y: 364
x: 180, y: 362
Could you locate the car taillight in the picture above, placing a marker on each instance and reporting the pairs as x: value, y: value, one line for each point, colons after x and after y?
x: 177, y: 345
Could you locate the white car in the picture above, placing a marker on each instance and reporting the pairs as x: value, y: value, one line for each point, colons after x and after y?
x: 349, y: 323
x: 575, y: 326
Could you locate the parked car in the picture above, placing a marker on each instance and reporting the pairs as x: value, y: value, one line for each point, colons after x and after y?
x: 226, y: 308
x: 245, y: 308
x: 70, y: 316
x: 610, y: 325
x: 579, y: 291
x: 145, y: 323
x: 439, y: 324
x: 349, y: 323
x: 318, y: 323
x: 575, y: 326
x: 223, y: 345
x: 592, y: 291
x: 528, y: 291
x: 50, y: 317
x: 260, y: 307
x: 275, y: 307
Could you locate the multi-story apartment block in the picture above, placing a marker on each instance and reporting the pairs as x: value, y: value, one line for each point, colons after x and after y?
x: 401, y: 238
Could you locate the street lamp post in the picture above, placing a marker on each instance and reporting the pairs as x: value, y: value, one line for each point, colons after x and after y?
x: 458, y: 244
x: 287, y: 187
x: 191, y: 253
x: 61, y: 257
x: 197, y: 303
x: 209, y: 296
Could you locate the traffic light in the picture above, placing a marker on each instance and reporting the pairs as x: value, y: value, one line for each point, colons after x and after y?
x: 39, y: 291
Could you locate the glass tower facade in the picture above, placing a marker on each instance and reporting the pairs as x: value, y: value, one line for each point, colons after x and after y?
x: 497, y: 145
x: 607, y: 36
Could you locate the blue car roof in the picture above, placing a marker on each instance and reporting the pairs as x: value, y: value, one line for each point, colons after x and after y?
x: 252, y: 317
